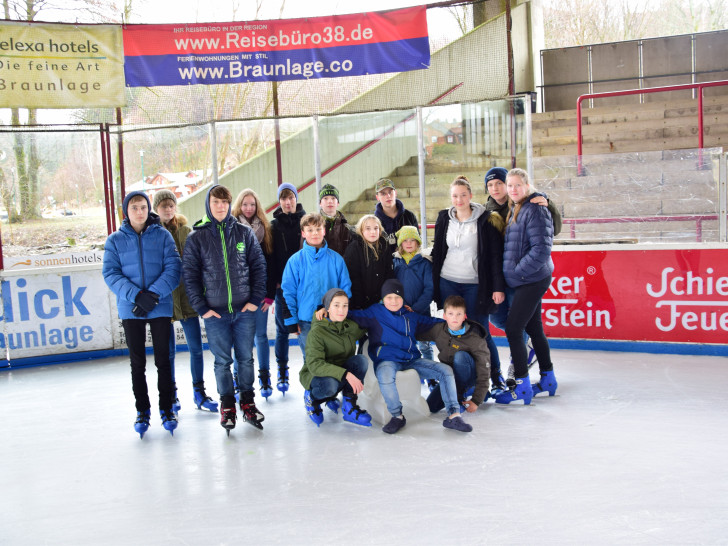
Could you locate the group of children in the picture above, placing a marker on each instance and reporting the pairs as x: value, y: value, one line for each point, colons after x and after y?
x: 234, y: 266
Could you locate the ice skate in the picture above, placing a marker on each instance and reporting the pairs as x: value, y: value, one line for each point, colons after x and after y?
x: 546, y: 383
x: 282, y: 384
x: 352, y: 413
x: 141, y: 425
x: 201, y: 398
x: 333, y: 405
x: 313, y: 409
x: 521, y: 391
x: 169, y: 420
x: 251, y: 414
x: 228, y: 418
x: 265, y: 387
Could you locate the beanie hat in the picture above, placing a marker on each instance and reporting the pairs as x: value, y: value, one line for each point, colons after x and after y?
x: 330, y: 295
x: 392, y: 286
x: 408, y: 232
x: 328, y: 189
x: 496, y: 172
x: 287, y: 186
x: 160, y: 196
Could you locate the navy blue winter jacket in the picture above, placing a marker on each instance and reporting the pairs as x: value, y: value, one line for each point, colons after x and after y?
x: 135, y: 261
x: 392, y: 335
x: 416, y: 277
x: 223, y: 265
x: 528, y: 241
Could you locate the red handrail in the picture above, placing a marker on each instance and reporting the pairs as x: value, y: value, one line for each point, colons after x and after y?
x: 697, y: 218
x: 606, y: 94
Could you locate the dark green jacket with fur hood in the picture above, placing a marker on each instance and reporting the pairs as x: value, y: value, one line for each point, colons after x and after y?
x: 182, y: 307
x: 472, y: 342
x: 328, y: 346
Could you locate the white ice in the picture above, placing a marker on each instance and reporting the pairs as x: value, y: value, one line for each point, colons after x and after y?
x: 632, y: 450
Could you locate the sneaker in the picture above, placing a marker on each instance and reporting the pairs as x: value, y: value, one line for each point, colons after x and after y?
x: 457, y: 423
x: 394, y: 425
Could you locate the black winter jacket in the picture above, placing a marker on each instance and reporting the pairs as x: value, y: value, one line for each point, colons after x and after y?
x: 223, y: 265
x: 286, y: 229
x: 367, y: 276
x: 490, y: 257
x: 392, y: 225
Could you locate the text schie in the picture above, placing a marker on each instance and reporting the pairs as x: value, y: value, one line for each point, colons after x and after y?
x: 691, y: 314
x: 20, y: 306
x: 565, y: 315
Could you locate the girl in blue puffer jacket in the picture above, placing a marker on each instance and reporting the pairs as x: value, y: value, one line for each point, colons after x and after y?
x: 527, y: 268
x: 414, y: 270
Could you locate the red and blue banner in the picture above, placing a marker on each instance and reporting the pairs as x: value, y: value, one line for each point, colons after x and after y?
x: 276, y: 50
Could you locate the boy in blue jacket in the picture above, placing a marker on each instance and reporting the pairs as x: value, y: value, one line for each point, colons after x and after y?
x: 142, y: 268
x: 308, y: 275
x: 393, y: 348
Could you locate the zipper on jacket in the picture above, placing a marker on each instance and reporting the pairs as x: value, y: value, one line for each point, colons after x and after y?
x: 221, y: 229
x: 141, y: 260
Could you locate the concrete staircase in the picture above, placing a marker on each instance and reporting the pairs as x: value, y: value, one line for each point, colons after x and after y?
x: 631, y: 128
x: 437, y: 184
x: 641, y: 162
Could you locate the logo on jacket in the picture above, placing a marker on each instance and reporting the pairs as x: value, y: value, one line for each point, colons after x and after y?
x: 240, y: 247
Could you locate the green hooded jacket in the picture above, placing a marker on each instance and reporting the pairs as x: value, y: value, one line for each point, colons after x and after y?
x: 328, y: 346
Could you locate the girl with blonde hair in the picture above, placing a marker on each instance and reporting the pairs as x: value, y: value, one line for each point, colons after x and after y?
x: 248, y: 210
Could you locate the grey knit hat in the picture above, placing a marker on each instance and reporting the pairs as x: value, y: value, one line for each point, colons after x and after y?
x: 330, y: 295
x: 160, y: 196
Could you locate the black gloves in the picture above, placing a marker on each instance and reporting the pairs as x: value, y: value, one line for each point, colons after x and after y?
x: 145, y: 302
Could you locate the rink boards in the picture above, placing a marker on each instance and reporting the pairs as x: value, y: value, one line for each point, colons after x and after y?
x: 668, y: 299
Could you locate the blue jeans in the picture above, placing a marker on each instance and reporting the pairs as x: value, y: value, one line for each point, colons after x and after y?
x: 193, y: 335
x: 325, y: 388
x: 302, y: 336
x: 232, y: 331
x: 281, y: 344
x: 261, y: 341
x: 425, y: 347
x: 469, y: 293
x: 386, y: 371
x: 463, y: 368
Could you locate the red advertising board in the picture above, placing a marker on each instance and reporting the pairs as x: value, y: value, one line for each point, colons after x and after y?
x: 678, y: 295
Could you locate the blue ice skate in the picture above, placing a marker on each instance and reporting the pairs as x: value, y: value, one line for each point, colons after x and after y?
x: 141, y: 425
x: 169, y: 420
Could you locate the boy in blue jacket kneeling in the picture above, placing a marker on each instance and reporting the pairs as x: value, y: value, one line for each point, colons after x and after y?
x: 393, y: 348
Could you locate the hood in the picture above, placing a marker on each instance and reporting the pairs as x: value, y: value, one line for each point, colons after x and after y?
x: 477, y: 209
x: 209, y: 219
x: 153, y: 217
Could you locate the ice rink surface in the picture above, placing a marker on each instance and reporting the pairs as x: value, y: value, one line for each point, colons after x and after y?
x: 631, y: 450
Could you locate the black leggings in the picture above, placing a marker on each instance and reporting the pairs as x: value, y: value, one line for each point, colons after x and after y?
x: 525, y: 314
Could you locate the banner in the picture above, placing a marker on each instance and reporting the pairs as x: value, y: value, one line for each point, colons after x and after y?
x: 639, y: 295
x: 276, y: 50
x: 44, y: 65
x: 54, y: 313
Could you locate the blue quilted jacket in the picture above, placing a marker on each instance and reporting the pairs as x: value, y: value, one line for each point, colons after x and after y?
x: 148, y: 260
x: 528, y: 242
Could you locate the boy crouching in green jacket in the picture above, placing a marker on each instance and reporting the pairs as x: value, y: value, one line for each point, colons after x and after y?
x: 332, y: 365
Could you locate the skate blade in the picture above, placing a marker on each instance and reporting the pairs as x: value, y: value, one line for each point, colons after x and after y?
x: 255, y: 424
